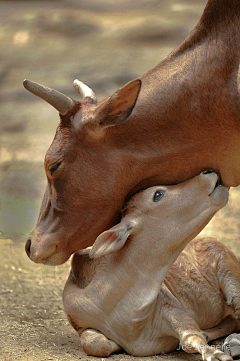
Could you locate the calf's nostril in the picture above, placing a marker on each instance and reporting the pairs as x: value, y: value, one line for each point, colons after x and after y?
x: 207, y: 171
x: 28, y: 247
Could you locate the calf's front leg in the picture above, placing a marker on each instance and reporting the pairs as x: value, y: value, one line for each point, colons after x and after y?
x: 94, y: 343
x: 191, y: 338
x: 196, y: 341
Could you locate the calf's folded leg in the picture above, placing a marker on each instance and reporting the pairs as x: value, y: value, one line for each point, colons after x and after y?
x: 227, y: 326
x: 231, y: 345
x: 94, y: 343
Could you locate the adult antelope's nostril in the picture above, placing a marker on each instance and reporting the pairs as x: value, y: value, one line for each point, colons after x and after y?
x: 207, y: 171
x: 28, y: 247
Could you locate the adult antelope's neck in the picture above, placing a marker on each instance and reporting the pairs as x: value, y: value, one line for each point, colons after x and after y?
x: 190, y: 100
x: 220, y: 13
x: 220, y: 22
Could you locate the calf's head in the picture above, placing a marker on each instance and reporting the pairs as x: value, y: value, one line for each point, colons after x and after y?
x: 170, y: 216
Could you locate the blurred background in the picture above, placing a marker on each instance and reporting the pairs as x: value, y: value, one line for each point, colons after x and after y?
x: 104, y: 43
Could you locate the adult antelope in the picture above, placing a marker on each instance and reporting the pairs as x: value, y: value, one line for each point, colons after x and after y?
x: 180, y: 118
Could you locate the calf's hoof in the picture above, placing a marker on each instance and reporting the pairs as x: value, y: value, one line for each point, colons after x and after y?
x: 211, y: 354
x: 94, y: 343
x: 231, y: 345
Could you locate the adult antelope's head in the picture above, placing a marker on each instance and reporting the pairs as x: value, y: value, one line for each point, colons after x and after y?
x: 85, y: 171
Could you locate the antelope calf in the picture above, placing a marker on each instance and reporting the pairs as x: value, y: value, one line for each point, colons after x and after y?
x: 128, y: 291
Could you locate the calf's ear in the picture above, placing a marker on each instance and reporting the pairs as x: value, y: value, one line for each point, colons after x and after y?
x: 111, y: 240
x: 120, y: 105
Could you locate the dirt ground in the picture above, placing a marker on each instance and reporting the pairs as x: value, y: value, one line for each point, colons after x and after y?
x: 104, y: 43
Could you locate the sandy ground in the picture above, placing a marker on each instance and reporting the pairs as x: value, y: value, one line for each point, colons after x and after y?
x: 105, y: 44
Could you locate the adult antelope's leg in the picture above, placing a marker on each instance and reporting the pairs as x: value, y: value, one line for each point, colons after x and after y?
x: 94, y: 343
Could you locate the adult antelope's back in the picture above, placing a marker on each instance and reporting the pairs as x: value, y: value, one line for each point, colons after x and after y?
x: 181, y: 117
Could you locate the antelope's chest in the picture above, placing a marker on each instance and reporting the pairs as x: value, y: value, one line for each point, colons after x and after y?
x: 140, y: 328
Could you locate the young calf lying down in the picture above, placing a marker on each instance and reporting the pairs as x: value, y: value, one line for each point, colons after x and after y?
x: 128, y: 293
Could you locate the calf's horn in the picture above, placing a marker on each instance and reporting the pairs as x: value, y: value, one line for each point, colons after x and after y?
x: 84, y: 90
x: 58, y: 100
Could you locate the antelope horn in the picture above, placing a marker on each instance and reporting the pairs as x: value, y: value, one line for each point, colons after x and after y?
x: 84, y: 90
x: 58, y: 100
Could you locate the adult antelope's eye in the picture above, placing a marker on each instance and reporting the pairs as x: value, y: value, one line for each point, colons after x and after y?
x: 54, y: 168
x: 158, y: 195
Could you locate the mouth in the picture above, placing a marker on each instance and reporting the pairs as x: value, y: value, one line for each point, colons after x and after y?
x: 45, y: 260
x: 217, y: 185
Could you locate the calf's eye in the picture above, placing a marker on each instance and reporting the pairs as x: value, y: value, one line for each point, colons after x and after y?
x: 54, y: 168
x: 158, y: 195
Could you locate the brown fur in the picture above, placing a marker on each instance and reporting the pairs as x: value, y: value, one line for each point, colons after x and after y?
x: 186, y: 118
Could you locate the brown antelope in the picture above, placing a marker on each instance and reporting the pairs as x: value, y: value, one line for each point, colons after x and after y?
x: 180, y: 118
x: 132, y: 293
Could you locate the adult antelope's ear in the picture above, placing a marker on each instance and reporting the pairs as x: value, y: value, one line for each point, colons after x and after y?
x: 120, y: 105
x: 112, y: 240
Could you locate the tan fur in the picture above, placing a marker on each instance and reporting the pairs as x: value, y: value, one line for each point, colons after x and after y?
x: 135, y: 295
